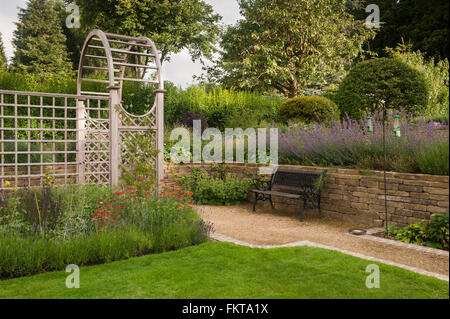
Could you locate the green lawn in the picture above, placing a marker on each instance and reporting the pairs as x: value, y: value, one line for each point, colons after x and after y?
x: 224, y: 270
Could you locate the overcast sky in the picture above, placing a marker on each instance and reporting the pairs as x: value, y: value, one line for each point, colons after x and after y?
x: 179, y: 71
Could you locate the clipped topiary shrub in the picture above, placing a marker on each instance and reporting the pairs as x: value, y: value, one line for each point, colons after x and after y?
x: 309, y: 109
x: 388, y: 79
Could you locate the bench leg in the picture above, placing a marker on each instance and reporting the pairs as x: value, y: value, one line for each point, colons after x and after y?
x: 254, y: 202
x: 302, y: 215
x: 320, y: 211
x: 271, y: 203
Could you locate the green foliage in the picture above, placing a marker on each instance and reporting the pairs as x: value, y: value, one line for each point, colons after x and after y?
x: 309, y: 109
x: 89, y: 224
x: 3, y: 60
x: 138, y: 170
x: 289, y: 46
x: 218, y: 270
x: 39, y: 41
x: 42, y: 255
x: 173, y: 25
x: 208, y: 190
x: 170, y: 226
x: 433, y: 233
x: 436, y: 76
x: 434, y: 159
x: 388, y: 79
x: 424, y: 23
x: 222, y: 107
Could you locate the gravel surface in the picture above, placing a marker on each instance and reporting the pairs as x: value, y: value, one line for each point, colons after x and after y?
x: 274, y: 227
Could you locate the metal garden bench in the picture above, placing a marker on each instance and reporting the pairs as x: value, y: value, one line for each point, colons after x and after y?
x: 292, y: 184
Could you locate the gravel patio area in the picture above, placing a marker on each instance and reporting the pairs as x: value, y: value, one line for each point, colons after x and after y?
x: 275, y: 227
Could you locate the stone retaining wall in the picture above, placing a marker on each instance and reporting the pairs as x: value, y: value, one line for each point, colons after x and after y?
x: 358, y: 195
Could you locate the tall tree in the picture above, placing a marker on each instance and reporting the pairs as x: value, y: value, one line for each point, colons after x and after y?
x: 38, y: 40
x: 173, y: 25
x: 423, y: 23
x: 289, y: 45
x: 3, y: 60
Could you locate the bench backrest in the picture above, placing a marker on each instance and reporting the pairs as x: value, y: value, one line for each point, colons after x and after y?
x: 296, y: 180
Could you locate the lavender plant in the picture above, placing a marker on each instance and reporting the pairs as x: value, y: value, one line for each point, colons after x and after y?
x: 348, y: 143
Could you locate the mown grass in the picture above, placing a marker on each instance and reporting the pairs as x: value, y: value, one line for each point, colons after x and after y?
x: 224, y: 270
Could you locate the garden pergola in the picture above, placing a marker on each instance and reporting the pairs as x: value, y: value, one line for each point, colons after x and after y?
x: 83, y: 137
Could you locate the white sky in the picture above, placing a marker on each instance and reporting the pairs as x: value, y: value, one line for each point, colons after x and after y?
x: 179, y: 71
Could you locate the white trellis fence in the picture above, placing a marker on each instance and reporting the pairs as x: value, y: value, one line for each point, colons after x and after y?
x: 82, y: 138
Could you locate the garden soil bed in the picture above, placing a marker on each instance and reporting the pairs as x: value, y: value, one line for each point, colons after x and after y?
x: 276, y: 227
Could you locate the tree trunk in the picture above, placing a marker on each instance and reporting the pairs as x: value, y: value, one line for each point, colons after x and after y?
x: 293, y: 91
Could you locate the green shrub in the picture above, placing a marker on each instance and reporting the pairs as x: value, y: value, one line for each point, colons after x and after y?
x: 215, y: 190
x: 309, y: 109
x: 433, y: 233
x: 388, y: 79
x: 436, y: 76
x: 222, y: 107
x: 28, y: 255
x: 434, y: 159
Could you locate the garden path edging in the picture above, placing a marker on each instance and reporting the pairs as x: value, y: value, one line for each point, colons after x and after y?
x: 430, y: 250
x: 307, y: 243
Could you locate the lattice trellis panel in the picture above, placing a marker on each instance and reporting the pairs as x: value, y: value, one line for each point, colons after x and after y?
x: 96, y: 160
x: 78, y: 138
x: 132, y: 126
x: 39, y: 137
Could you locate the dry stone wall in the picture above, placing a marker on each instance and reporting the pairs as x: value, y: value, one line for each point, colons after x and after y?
x: 358, y: 195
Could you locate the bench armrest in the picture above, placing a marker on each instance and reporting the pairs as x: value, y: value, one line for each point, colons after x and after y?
x: 262, y: 184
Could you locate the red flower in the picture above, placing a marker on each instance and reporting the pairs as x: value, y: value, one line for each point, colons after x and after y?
x: 140, y: 180
x: 118, y: 193
x: 100, y: 199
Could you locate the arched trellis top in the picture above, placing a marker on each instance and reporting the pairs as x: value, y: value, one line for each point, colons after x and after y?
x: 114, y: 56
x: 112, y: 59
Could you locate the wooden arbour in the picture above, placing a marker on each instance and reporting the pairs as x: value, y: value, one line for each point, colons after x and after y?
x: 115, y: 56
x: 82, y: 137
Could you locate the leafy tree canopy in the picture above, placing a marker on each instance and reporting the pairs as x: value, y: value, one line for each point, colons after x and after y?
x: 173, y: 25
x: 424, y: 23
x: 3, y: 60
x: 400, y: 85
x: 38, y: 40
x: 289, y: 45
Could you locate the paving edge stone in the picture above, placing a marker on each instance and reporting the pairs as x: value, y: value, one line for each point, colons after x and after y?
x: 397, y: 243
x: 307, y: 243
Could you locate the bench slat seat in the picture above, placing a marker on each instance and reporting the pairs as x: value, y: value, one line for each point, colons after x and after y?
x: 275, y: 193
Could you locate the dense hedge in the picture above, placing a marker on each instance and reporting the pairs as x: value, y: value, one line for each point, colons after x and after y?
x: 388, y: 79
x: 216, y: 106
x: 308, y: 109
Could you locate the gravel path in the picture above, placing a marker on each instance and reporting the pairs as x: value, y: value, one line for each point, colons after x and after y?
x: 278, y: 227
